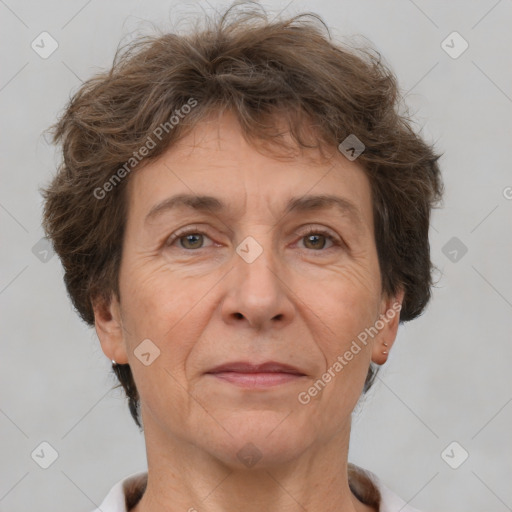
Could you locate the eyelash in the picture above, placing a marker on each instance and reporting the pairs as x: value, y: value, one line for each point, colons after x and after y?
x: 311, y: 231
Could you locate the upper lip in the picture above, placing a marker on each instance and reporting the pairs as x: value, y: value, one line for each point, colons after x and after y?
x: 245, y: 367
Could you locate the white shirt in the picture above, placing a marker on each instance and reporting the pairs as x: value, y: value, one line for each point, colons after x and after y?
x: 115, y: 499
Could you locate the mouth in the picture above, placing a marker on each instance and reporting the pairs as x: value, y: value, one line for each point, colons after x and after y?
x: 250, y: 375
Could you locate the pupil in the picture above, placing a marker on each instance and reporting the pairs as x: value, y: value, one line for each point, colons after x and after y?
x: 190, y: 238
x: 315, y: 242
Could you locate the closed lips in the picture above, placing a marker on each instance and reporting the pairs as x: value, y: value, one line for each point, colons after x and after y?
x: 245, y: 367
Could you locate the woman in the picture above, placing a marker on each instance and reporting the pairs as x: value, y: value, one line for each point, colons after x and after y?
x: 243, y: 216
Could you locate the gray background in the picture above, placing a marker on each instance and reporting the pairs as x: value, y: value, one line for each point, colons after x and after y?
x: 448, y: 376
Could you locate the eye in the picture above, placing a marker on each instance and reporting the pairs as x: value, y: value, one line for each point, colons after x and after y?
x: 190, y: 239
x: 316, y: 239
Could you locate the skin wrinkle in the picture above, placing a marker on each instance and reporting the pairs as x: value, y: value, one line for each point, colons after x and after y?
x: 316, y: 92
x: 186, y: 305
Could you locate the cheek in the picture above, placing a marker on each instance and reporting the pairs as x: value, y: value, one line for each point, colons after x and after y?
x: 347, y: 305
x: 158, y: 306
x: 335, y: 392
x: 154, y: 298
x: 349, y: 301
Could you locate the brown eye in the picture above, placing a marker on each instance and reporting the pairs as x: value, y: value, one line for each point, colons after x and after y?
x: 315, y: 241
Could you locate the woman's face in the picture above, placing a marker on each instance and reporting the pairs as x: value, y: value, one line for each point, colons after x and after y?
x: 252, y: 282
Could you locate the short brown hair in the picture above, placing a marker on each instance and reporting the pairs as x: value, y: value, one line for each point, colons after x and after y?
x: 263, y: 71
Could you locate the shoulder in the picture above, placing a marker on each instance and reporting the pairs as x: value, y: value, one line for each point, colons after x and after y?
x: 125, y: 494
x: 368, y: 487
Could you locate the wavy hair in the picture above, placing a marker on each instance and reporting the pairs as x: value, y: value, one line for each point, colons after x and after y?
x: 267, y: 72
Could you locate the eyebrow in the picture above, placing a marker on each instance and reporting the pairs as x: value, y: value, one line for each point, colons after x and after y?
x: 301, y: 204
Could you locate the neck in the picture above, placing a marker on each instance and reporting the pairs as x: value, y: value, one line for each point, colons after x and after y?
x: 185, y: 478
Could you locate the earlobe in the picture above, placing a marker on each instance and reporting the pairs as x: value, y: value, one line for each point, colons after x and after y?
x: 109, y: 328
x: 388, y: 323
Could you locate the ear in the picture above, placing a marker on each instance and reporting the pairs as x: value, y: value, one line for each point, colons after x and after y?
x: 388, y: 327
x: 109, y: 328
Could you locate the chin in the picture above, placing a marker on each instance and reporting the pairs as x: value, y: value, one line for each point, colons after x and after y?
x: 260, y: 440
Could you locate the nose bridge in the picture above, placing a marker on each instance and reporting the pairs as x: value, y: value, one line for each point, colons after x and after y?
x: 257, y: 293
x: 256, y: 264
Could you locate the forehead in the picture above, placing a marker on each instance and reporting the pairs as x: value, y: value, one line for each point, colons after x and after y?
x: 215, y: 168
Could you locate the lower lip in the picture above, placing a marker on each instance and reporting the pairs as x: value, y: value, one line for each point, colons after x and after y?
x: 257, y: 380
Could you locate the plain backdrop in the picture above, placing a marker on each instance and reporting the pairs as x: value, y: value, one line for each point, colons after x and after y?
x: 448, y: 377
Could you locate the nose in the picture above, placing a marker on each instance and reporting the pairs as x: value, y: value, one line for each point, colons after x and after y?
x: 257, y: 293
